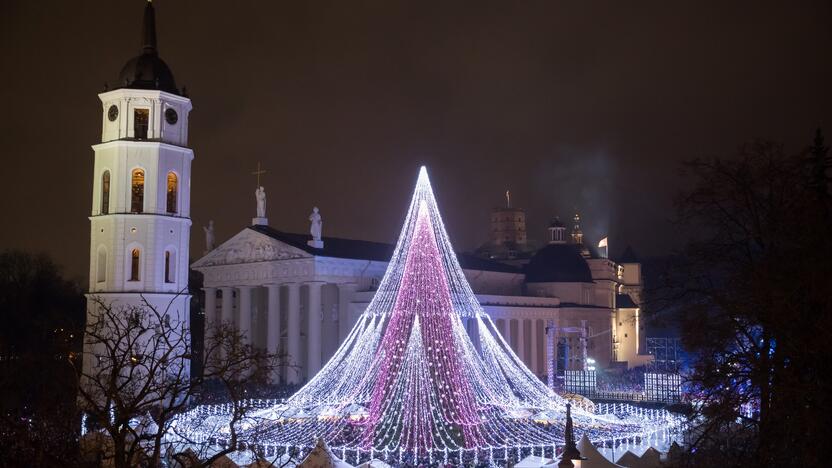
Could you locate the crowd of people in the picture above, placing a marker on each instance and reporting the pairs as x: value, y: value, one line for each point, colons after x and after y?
x: 630, y: 381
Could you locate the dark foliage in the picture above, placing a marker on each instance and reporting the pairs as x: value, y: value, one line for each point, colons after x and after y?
x: 43, y: 322
x: 755, y: 293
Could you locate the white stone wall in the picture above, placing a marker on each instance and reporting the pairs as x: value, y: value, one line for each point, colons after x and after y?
x: 627, y: 329
x: 157, y: 102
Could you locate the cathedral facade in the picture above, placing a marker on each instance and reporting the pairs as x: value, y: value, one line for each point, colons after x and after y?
x: 560, y: 306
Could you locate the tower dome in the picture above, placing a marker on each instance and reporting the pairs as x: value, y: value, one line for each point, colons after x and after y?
x: 557, y: 232
x: 147, y: 70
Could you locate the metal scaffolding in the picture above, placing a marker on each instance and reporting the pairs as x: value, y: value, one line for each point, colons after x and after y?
x: 662, y: 381
x: 666, y: 354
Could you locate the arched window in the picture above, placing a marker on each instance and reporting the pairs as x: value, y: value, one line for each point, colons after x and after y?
x: 170, y: 267
x: 105, y: 192
x: 137, y: 191
x: 173, y: 192
x: 141, y: 117
x: 135, y: 257
x: 101, y: 271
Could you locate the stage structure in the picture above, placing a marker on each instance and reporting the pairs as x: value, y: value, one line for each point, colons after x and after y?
x: 423, y: 377
x: 662, y: 381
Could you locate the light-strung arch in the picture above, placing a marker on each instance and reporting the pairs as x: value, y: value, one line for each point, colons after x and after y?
x: 137, y: 191
x: 173, y: 193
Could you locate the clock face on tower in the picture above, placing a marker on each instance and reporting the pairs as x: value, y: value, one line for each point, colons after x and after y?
x: 171, y: 116
x: 112, y: 113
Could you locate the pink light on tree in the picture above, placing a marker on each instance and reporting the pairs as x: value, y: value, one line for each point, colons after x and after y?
x: 408, y: 383
x: 419, y: 358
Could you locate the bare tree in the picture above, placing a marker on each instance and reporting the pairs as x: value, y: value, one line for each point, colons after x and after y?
x: 230, y: 378
x: 136, y: 379
x: 43, y: 319
x: 754, y: 289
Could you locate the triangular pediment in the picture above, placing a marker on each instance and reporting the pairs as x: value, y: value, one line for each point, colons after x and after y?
x: 249, y: 246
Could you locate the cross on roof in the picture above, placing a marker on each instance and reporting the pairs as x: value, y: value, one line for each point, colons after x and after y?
x: 258, y: 172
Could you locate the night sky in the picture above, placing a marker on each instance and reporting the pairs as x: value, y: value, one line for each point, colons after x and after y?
x: 587, y: 105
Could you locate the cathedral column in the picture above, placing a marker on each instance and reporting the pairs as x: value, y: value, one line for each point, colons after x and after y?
x: 345, y: 294
x: 273, y: 318
x: 293, y: 332
x: 227, y: 305
x: 210, y: 307
x: 273, y: 324
x: 533, y: 358
x: 245, y: 313
x: 506, y: 331
x: 521, y: 340
x: 313, y: 335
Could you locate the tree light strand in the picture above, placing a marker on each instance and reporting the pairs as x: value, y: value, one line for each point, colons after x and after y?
x: 409, y: 383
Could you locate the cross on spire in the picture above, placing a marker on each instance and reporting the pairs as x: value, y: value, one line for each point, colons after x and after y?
x: 258, y: 172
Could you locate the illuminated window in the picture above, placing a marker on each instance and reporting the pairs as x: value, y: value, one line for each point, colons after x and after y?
x: 101, y: 272
x: 105, y: 192
x: 141, y: 117
x: 135, y: 255
x: 173, y: 184
x: 137, y: 191
x: 170, y: 274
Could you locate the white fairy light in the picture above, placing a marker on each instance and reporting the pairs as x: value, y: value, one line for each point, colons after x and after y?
x: 409, y: 383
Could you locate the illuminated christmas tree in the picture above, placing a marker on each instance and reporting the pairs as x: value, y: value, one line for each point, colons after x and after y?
x: 409, y: 382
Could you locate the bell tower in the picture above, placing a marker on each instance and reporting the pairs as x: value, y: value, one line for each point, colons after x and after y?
x: 557, y: 232
x: 140, y: 217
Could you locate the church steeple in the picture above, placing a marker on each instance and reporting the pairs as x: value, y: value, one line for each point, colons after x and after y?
x: 557, y: 232
x: 140, y: 218
x: 577, y: 234
x: 149, y: 29
x: 147, y: 70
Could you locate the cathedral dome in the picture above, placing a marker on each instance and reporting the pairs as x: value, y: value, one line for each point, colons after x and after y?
x: 558, y: 263
x: 147, y: 70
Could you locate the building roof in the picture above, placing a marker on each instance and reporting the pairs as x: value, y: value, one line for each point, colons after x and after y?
x: 366, y: 250
x: 147, y: 70
x: 506, y: 250
x: 558, y: 263
x: 624, y: 301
